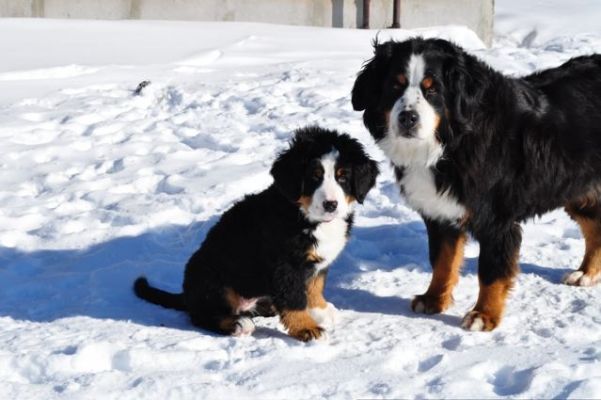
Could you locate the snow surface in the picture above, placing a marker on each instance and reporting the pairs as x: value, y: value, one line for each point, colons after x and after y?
x: 98, y: 186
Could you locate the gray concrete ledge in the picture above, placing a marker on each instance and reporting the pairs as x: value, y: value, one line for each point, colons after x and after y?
x: 475, y: 14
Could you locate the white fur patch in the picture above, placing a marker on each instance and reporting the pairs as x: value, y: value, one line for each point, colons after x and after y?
x: 325, y: 317
x: 578, y: 278
x: 471, y: 323
x: 331, y: 239
x: 418, y: 153
x: 477, y: 325
x: 244, y: 326
x: 421, y: 195
x: 329, y: 190
x: 423, y: 148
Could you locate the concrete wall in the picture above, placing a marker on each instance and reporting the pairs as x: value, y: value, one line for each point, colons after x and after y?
x: 476, y: 14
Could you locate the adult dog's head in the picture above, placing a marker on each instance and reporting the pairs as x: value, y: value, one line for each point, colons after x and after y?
x: 324, y: 173
x: 416, y: 94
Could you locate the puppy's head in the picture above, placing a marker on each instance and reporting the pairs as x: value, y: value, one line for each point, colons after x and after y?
x: 324, y: 173
x: 410, y: 93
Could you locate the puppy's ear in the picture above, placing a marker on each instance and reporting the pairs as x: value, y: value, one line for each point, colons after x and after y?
x: 287, y: 174
x: 364, y: 178
x: 368, y: 85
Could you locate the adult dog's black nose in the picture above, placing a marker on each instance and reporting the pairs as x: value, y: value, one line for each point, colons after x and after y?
x: 408, y: 119
x: 330, y: 206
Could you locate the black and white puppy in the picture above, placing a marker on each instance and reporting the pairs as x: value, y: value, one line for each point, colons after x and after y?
x: 476, y: 151
x: 271, y: 251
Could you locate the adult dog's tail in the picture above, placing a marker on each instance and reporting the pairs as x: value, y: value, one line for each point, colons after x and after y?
x: 157, y: 296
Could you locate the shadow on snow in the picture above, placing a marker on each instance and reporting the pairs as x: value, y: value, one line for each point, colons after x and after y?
x: 48, y: 285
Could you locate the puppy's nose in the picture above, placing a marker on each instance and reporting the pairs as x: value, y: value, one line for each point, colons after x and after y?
x: 330, y: 206
x: 408, y: 119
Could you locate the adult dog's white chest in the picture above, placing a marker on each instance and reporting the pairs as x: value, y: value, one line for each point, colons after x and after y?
x: 420, y: 192
x: 330, y: 240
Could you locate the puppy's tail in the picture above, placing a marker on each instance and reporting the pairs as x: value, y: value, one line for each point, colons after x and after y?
x: 157, y: 296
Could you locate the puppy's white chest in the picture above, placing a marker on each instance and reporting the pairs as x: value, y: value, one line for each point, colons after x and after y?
x: 421, y: 194
x: 331, y: 238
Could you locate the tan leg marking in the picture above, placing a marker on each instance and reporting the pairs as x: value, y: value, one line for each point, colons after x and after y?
x: 445, y: 276
x: 300, y: 325
x: 589, y: 272
x: 315, y: 288
x: 233, y: 299
x: 488, y: 312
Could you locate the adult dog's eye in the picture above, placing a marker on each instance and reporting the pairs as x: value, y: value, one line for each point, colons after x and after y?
x: 428, y: 85
x: 317, y: 173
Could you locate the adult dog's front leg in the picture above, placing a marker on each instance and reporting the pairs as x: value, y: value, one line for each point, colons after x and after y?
x: 497, y: 267
x: 446, y: 244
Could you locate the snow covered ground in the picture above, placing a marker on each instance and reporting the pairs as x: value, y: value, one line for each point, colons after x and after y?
x: 98, y: 186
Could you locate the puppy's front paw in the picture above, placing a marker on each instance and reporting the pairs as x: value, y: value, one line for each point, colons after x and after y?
x: 307, y: 334
x: 479, y: 321
x: 244, y: 327
x: 430, y: 304
x: 326, y: 316
x: 579, y: 278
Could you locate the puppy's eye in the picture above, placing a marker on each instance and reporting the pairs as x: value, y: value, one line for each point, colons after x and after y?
x: 317, y: 173
x: 431, y: 91
x: 341, y: 175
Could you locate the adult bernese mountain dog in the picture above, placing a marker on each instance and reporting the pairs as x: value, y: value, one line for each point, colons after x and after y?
x: 271, y: 251
x: 476, y: 151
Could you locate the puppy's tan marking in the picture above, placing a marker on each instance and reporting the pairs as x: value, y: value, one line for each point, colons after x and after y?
x: 305, y: 202
x: 301, y: 325
x: 315, y: 286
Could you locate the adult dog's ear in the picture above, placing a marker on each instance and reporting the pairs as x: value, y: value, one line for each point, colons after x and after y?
x: 368, y: 85
x: 287, y: 174
x: 466, y: 80
x: 364, y: 178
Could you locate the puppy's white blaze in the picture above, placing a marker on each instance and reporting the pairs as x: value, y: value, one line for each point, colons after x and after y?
x: 329, y: 190
x: 421, y: 195
x: 423, y: 148
x: 330, y: 233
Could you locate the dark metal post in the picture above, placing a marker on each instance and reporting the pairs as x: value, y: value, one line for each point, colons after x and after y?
x: 366, y: 14
x: 396, y: 14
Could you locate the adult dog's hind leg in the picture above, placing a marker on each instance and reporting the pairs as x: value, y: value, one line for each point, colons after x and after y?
x: 589, y: 218
x: 446, y: 244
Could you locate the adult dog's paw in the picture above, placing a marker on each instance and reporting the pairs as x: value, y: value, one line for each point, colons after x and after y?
x: 479, y: 321
x: 430, y: 304
x: 579, y: 278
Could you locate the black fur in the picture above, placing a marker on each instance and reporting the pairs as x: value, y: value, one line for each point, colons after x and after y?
x: 259, y: 247
x: 514, y: 148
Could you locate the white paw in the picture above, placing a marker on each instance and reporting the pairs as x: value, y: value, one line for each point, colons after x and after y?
x: 419, y: 307
x: 473, y: 324
x: 477, y: 321
x: 244, y: 327
x: 578, y: 278
x: 326, y: 317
